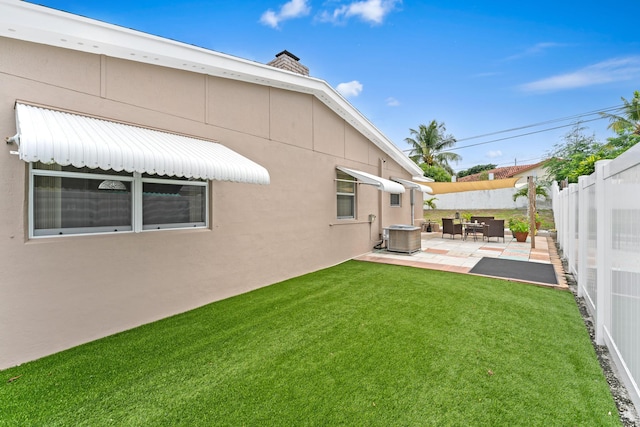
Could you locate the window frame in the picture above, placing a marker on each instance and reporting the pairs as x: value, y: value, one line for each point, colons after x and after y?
x: 399, y: 203
x: 136, y: 223
x: 353, y: 195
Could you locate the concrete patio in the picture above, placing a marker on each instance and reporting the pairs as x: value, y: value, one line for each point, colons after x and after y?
x: 460, y: 256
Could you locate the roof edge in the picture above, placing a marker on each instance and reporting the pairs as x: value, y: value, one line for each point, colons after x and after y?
x: 39, y: 24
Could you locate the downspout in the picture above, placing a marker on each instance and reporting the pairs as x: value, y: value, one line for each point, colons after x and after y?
x: 413, y: 212
x: 380, y: 198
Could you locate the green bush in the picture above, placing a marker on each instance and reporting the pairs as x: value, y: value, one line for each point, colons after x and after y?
x: 518, y: 224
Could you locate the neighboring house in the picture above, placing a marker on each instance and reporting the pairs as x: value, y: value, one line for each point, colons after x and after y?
x: 144, y: 177
x: 536, y: 170
x: 492, y: 189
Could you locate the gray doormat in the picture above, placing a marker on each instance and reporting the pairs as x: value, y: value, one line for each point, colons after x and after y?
x: 519, y: 270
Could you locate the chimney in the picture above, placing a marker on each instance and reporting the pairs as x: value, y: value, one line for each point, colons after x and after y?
x: 288, y: 61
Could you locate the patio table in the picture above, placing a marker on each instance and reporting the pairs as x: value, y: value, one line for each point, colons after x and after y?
x: 472, y: 228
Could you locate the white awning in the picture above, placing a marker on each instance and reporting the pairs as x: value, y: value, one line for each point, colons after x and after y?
x: 422, y: 178
x: 51, y: 136
x: 411, y: 184
x: 381, y: 183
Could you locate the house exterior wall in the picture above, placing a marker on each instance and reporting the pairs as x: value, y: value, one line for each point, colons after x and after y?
x: 59, y: 292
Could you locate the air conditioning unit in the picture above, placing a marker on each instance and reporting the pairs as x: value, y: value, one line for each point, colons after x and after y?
x: 403, y: 238
x: 385, y: 238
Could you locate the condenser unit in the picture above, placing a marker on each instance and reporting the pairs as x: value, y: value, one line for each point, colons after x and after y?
x: 403, y: 238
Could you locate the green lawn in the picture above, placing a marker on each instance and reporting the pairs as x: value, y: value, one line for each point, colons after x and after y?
x: 358, y: 344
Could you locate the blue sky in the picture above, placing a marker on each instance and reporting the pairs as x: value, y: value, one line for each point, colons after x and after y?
x: 479, y: 68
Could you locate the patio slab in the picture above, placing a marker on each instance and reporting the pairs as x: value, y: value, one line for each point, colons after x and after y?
x: 461, y: 256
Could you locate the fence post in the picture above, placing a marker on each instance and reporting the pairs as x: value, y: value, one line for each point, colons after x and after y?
x: 572, y: 225
x: 603, y: 251
x: 583, y: 230
x: 532, y: 210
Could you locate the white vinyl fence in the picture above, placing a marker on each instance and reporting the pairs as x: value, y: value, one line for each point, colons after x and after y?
x: 598, y: 223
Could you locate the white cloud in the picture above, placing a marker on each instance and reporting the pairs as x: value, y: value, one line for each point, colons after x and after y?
x: 270, y: 19
x: 392, y: 102
x: 535, y: 50
x: 613, y: 70
x: 373, y: 11
x: 352, y: 88
x: 289, y: 10
x: 494, y: 153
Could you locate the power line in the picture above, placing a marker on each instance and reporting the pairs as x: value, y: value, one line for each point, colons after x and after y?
x: 573, y: 117
x: 519, y: 135
x: 561, y: 119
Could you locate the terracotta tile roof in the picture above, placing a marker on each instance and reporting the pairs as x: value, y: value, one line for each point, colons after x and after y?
x: 501, y: 173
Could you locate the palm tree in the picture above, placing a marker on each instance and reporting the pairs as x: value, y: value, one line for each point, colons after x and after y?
x: 429, y: 145
x: 630, y: 118
x: 541, y: 191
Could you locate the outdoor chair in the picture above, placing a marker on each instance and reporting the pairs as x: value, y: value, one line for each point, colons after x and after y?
x: 493, y: 228
x: 481, y: 219
x: 448, y: 227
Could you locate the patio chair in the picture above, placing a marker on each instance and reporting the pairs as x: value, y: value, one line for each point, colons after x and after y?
x: 481, y: 219
x: 477, y: 226
x: 493, y: 228
x: 448, y: 227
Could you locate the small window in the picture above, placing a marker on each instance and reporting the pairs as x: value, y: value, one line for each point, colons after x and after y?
x: 346, y: 195
x: 395, y: 200
x: 67, y: 200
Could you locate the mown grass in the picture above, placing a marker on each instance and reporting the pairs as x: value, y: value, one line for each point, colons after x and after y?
x: 356, y: 344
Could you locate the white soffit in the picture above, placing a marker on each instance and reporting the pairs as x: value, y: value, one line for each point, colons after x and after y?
x: 51, y: 136
x: 31, y: 22
x: 411, y: 184
x: 381, y: 183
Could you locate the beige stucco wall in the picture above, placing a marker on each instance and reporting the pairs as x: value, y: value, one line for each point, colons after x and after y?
x: 59, y: 292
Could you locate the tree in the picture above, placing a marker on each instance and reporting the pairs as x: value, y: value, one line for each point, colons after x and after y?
x: 626, y: 126
x: 476, y: 169
x: 541, y: 191
x: 429, y: 145
x: 578, y: 155
x: 629, y: 121
x: 431, y: 202
x: 436, y: 172
x: 575, y: 157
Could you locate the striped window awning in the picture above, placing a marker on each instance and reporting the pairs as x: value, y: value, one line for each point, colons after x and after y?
x: 52, y: 136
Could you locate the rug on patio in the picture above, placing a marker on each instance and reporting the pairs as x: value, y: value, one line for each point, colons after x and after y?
x: 519, y: 270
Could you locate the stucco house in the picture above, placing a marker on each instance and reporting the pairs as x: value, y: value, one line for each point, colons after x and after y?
x: 536, y: 170
x: 143, y: 177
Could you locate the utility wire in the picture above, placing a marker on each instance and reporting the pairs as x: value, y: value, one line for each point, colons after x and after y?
x: 562, y: 119
x: 573, y: 117
x: 519, y: 135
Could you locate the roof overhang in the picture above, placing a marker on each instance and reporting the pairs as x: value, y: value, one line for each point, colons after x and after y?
x: 414, y: 185
x: 30, y: 22
x: 380, y: 183
x: 51, y: 136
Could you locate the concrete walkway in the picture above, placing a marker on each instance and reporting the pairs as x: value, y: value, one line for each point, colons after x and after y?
x: 460, y: 256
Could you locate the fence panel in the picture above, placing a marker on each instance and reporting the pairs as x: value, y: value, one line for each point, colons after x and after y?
x: 623, y: 328
x: 587, y: 256
x: 598, y: 224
